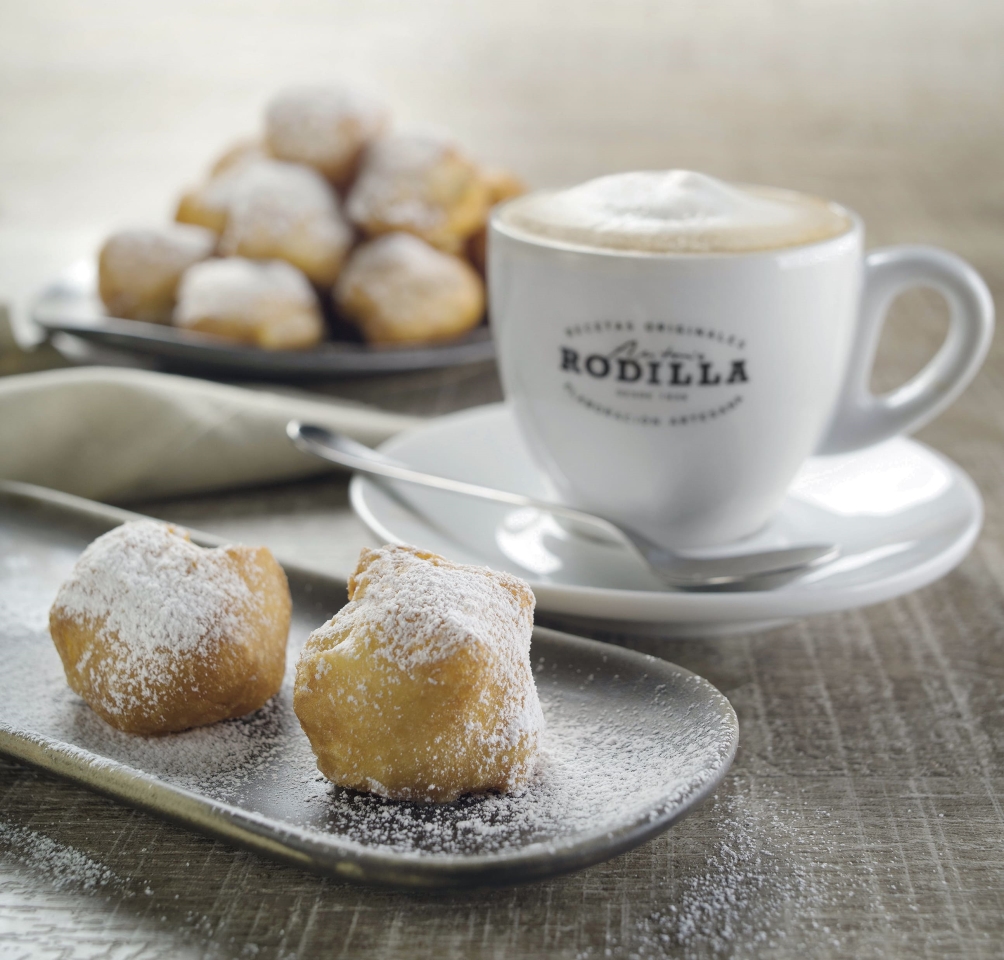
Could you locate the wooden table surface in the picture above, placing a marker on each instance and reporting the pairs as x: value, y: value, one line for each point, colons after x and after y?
x: 863, y: 815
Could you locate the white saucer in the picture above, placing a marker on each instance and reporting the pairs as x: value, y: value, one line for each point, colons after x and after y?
x: 902, y: 514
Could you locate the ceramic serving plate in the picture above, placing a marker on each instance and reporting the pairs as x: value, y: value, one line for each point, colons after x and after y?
x: 70, y: 305
x: 901, y: 514
x: 632, y: 743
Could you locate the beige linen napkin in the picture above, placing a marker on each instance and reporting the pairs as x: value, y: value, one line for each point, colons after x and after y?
x: 119, y: 434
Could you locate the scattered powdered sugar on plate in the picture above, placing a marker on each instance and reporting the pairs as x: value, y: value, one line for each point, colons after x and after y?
x: 627, y: 742
x: 603, y: 767
x: 607, y: 762
x: 595, y: 775
x: 217, y: 760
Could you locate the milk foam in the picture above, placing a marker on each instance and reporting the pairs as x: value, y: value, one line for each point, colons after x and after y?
x: 674, y: 211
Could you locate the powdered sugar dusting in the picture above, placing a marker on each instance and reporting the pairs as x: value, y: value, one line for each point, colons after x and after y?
x: 238, y: 287
x: 139, y: 269
x: 741, y: 892
x: 422, y: 607
x: 627, y: 742
x: 65, y: 866
x: 477, y: 724
x: 593, y: 775
x: 222, y: 759
x: 270, y: 199
x: 322, y: 126
x: 399, y: 184
x: 151, y: 596
x: 399, y: 273
x: 152, y: 253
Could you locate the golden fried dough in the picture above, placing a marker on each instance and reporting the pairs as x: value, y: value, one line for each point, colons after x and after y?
x: 286, y: 211
x: 398, y: 289
x: 158, y: 635
x: 208, y: 204
x: 420, y: 688
x: 240, y: 152
x: 139, y: 270
x: 324, y: 127
x: 267, y: 209
x: 421, y: 185
x: 268, y: 304
x: 502, y: 185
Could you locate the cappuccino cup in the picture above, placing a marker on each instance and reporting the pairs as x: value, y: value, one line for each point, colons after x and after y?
x: 675, y: 347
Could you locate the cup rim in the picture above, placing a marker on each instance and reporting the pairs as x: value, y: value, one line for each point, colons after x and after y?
x: 854, y: 232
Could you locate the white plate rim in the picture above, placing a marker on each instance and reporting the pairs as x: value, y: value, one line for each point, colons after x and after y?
x: 642, y: 606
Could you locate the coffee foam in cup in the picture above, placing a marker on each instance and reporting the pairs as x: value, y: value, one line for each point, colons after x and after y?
x: 674, y: 211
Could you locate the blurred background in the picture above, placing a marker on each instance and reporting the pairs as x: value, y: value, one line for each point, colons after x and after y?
x: 894, y: 107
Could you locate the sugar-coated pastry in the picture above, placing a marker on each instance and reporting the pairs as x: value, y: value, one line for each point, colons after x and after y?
x: 202, y: 206
x: 158, y: 635
x: 324, y: 127
x: 139, y: 270
x: 420, y: 688
x: 422, y: 185
x: 286, y: 211
x: 240, y: 152
x: 208, y: 204
x: 265, y: 209
x: 398, y: 289
x: 268, y: 304
x: 502, y: 185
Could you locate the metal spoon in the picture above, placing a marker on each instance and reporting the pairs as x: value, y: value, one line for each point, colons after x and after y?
x: 750, y: 571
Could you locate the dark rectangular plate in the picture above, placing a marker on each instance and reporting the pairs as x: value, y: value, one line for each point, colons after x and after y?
x: 631, y: 743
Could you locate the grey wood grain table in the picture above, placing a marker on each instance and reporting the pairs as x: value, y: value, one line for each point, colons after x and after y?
x: 863, y: 815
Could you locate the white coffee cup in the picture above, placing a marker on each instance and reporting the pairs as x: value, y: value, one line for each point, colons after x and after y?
x: 681, y: 392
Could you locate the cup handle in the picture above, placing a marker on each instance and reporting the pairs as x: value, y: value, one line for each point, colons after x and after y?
x: 862, y: 418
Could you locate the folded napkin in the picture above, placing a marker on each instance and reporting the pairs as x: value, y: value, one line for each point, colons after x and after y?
x: 119, y: 434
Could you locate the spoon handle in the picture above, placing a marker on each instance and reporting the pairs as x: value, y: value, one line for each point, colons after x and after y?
x: 674, y: 570
x: 352, y: 455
